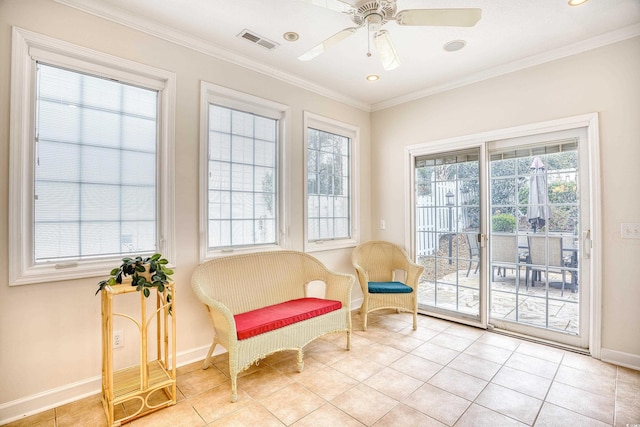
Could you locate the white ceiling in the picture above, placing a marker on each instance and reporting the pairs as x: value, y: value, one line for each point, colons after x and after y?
x: 512, y: 34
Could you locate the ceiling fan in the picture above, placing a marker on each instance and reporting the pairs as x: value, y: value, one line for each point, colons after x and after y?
x: 375, y: 13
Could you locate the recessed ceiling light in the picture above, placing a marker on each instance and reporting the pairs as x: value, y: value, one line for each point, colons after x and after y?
x: 576, y: 2
x: 373, y: 77
x: 290, y: 36
x: 454, y: 45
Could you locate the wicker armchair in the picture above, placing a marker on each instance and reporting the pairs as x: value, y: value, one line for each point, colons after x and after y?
x: 376, y: 264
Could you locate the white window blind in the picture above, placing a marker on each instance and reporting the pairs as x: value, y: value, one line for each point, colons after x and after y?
x: 95, y: 166
x: 242, y: 178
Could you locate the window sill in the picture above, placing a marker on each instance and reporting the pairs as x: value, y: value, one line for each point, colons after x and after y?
x: 63, y: 271
x: 70, y: 270
x: 220, y: 253
x: 329, y: 245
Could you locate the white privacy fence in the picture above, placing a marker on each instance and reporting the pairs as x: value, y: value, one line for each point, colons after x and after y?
x: 426, y: 236
x: 433, y: 218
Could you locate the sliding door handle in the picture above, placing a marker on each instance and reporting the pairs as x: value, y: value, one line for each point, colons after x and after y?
x: 586, y: 244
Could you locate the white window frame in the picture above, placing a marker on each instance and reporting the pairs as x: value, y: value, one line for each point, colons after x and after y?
x: 326, y: 124
x: 592, y: 235
x: 27, y: 48
x: 213, y: 94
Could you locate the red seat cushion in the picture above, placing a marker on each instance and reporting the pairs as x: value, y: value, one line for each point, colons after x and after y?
x: 276, y: 316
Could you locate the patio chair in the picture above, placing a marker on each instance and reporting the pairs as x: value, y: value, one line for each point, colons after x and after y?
x: 504, y: 249
x: 474, y: 251
x: 377, y: 263
x: 551, y: 256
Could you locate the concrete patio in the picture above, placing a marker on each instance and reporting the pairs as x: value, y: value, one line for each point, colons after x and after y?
x: 535, y: 306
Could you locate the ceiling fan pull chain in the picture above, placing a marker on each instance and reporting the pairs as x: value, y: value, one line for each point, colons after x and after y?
x: 368, y: 42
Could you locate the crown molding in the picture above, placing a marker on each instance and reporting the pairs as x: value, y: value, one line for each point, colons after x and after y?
x: 563, y: 52
x: 119, y: 16
x: 106, y: 11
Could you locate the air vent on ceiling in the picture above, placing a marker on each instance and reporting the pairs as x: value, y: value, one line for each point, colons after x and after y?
x: 259, y: 40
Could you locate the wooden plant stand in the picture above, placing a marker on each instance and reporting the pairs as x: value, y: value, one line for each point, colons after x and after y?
x: 151, y: 385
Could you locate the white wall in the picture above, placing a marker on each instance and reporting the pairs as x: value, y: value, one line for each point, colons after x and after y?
x: 50, y: 333
x: 604, y: 80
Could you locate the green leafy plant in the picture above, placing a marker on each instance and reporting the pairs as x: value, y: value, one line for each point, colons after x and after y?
x: 146, y: 273
x: 503, y: 222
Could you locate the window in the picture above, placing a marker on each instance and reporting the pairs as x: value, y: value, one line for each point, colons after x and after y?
x: 240, y: 151
x: 331, y: 187
x: 95, y: 177
x: 89, y: 175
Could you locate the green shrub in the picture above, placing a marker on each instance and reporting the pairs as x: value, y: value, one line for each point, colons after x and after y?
x: 503, y: 222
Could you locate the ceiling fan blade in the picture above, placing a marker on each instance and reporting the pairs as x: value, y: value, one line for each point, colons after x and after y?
x: 386, y: 51
x: 439, y: 17
x: 327, y: 44
x: 337, y: 5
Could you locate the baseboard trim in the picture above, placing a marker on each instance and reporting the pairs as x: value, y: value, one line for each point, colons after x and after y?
x: 49, y: 399
x: 620, y: 358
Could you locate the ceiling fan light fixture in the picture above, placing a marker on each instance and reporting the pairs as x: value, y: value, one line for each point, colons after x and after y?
x: 386, y: 51
x: 576, y: 2
x: 374, y: 22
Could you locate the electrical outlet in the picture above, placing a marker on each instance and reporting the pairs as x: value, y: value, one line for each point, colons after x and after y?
x: 118, y: 339
x: 383, y: 224
x: 630, y: 230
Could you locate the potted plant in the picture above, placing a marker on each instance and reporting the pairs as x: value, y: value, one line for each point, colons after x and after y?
x: 146, y: 273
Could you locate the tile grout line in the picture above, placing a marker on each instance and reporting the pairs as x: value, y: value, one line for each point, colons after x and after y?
x: 544, y: 400
x: 502, y: 365
x: 488, y: 382
x: 483, y: 388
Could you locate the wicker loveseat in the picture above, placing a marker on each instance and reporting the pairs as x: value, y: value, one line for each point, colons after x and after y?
x: 257, y: 305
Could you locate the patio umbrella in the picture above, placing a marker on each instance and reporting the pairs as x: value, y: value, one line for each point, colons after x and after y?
x: 538, y: 212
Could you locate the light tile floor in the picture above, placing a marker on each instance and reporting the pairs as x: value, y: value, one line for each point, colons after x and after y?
x: 443, y: 374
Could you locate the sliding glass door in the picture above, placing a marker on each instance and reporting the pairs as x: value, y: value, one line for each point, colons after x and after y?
x: 503, y: 229
x: 447, y: 224
x: 538, y: 205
